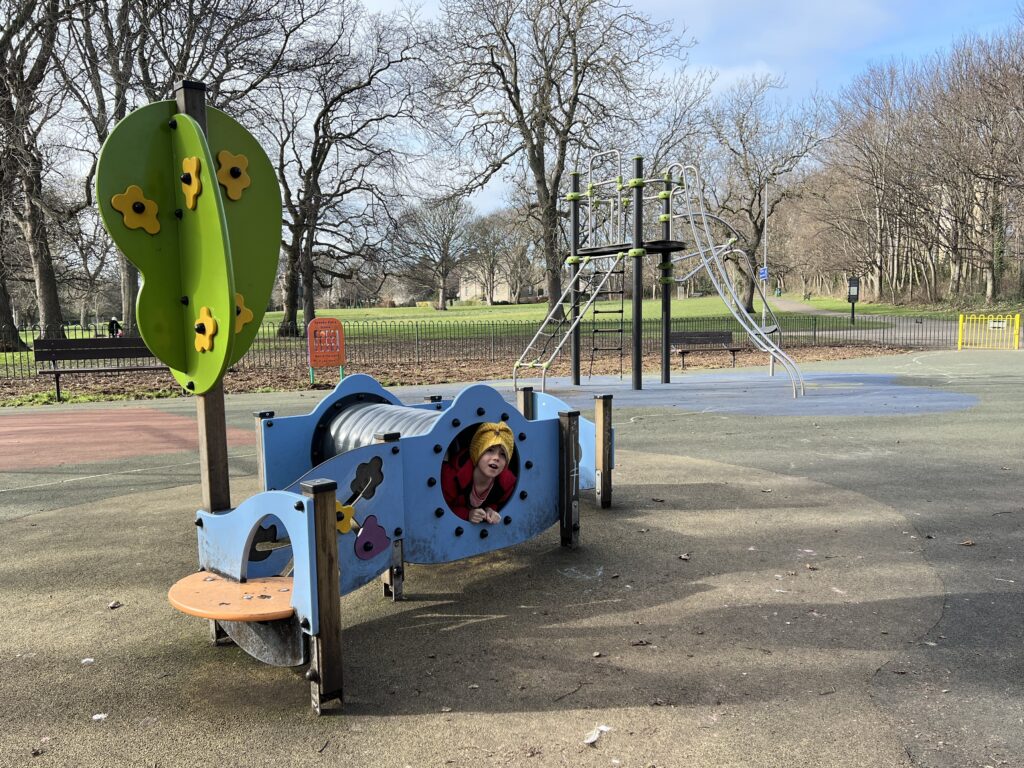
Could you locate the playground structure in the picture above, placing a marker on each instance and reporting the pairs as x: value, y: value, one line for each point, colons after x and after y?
x: 616, y: 230
x: 352, y: 491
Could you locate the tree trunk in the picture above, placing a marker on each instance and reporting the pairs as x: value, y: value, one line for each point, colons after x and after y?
x: 33, y: 226
x: 129, y: 295
x: 10, y: 339
x: 290, y: 289
x: 440, y: 294
x: 308, y: 284
x: 552, y: 259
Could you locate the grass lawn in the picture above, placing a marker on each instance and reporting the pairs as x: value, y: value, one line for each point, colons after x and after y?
x: 705, y: 306
x: 894, y: 310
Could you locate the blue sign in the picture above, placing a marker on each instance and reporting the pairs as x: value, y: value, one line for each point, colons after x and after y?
x: 762, y: 273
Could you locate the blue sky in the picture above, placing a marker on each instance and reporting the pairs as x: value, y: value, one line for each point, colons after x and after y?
x: 822, y: 44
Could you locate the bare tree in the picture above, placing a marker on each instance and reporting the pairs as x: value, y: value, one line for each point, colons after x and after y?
x: 525, y: 81
x: 757, y: 142
x: 434, y: 239
x: 28, y: 101
x: 336, y: 131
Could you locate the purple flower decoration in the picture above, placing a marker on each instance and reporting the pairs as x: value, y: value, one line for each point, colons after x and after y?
x: 372, y: 539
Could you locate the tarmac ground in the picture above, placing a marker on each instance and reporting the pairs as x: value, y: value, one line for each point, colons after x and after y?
x: 831, y: 580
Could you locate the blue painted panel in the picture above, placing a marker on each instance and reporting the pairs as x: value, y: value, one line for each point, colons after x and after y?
x: 225, y: 539
x: 433, y: 539
x: 547, y: 407
x: 358, y: 564
x: 287, y: 440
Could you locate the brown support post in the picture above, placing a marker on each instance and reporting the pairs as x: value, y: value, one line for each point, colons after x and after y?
x: 324, y: 672
x: 213, y: 434
x: 525, y: 403
x: 569, y: 478
x: 394, y: 577
x: 603, y: 459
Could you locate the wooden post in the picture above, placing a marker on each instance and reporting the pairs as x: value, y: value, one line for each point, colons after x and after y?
x: 603, y: 458
x: 213, y: 434
x: 569, y: 478
x: 324, y: 672
x: 260, y: 417
x: 525, y: 403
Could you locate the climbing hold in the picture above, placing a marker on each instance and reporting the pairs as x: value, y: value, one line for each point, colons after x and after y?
x: 372, y: 539
x: 191, y: 184
x: 232, y: 174
x: 345, y: 515
x: 138, y: 212
x: 243, y: 314
x: 206, y: 329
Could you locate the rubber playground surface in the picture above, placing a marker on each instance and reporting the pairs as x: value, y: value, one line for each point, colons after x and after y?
x: 832, y: 580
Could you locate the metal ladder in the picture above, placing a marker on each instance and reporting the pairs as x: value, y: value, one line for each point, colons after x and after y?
x: 614, y: 291
x: 591, y: 279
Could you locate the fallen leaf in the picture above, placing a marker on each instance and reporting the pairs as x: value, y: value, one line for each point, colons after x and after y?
x: 597, y: 654
x: 88, y: 661
x: 684, y: 556
x: 446, y: 709
x: 115, y: 605
x: 641, y: 642
x: 766, y: 490
x: 658, y: 500
x: 100, y: 716
x: 967, y: 543
x: 473, y: 687
x: 592, y: 737
x: 810, y: 567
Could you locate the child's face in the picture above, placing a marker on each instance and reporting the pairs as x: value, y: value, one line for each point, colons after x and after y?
x: 493, y: 461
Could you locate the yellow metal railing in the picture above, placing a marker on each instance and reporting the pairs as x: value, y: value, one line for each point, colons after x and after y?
x: 988, y: 332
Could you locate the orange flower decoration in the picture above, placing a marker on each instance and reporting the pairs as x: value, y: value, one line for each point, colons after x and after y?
x: 191, y: 184
x: 243, y: 314
x: 233, y: 175
x: 138, y: 212
x: 345, y: 516
x: 206, y: 329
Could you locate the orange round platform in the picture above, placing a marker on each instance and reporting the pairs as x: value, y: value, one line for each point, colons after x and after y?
x: 210, y: 596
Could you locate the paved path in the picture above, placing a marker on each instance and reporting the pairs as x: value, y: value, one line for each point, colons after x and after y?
x: 852, y: 594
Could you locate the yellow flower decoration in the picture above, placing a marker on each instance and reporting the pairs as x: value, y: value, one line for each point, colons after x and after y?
x: 345, y: 515
x: 206, y: 329
x: 138, y: 212
x: 232, y: 174
x: 243, y: 314
x: 191, y: 184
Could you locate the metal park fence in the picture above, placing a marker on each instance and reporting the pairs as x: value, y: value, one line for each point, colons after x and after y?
x: 417, y: 342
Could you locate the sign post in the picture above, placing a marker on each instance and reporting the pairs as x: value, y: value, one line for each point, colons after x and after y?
x: 852, y: 296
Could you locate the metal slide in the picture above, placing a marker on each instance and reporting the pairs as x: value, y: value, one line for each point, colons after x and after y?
x: 712, y: 261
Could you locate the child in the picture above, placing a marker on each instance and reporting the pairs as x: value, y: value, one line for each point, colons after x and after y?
x: 477, y: 481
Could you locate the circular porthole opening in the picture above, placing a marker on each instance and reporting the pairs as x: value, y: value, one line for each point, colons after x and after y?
x: 457, y: 479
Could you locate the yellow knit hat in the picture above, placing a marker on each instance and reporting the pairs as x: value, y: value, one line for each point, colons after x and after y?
x: 488, y: 435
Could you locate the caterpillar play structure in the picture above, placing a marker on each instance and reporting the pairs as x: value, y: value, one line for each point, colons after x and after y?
x: 353, y: 492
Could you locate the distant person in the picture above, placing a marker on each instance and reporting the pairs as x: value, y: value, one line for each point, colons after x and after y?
x: 476, y: 481
x: 114, y: 328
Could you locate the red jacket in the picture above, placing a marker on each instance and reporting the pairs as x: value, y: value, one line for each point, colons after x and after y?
x: 457, y: 482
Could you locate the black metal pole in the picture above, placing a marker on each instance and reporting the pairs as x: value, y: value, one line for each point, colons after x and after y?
x: 667, y: 283
x: 852, y: 305
x: 574, y: 268
x: 638, y: 271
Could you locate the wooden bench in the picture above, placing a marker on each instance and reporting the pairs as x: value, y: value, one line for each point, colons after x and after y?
x: 703, y: 341
x: 56, y: 351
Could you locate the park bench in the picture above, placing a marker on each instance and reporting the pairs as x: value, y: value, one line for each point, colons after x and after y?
x: 703, y: 341
x: 125, y: 352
